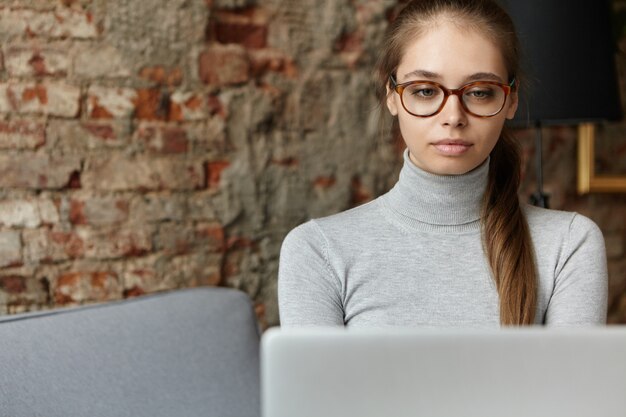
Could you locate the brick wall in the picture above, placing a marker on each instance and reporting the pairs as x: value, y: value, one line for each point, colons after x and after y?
x: 151, y: 145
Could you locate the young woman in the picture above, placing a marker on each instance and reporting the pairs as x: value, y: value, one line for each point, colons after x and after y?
x: 450, y: 244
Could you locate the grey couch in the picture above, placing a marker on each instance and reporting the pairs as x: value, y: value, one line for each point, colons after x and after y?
x: 184, y: 353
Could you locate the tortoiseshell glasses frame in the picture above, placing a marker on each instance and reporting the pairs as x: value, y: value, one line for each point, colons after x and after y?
x: 447, y: 92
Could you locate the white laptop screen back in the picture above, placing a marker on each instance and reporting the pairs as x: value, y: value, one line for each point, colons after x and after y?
x: 332, y: 372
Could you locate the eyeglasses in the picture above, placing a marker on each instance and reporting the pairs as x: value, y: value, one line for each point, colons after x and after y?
x: 428, y: 98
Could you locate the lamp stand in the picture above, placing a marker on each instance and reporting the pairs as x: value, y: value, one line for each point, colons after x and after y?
x: 539, y: 198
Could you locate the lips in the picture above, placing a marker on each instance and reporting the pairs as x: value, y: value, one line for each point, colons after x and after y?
x: 452, y: 147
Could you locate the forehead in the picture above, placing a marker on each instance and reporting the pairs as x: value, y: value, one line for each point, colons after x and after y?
x: 452, y: 51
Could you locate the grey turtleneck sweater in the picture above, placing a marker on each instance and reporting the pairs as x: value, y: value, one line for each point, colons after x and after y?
x: 413, y: 257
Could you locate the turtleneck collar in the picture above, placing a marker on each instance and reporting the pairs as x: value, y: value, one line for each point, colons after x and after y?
x: 432, y: 202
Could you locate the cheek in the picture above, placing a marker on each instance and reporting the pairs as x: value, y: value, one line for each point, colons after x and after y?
x: 492, y: 134
x: 413, y: 129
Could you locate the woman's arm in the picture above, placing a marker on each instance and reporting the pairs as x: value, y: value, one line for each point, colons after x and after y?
x: 309, y: 291
x: 581, y: 284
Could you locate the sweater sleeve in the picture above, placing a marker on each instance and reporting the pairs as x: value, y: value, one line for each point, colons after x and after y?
x: 581, y: 279
x: 309, y: 292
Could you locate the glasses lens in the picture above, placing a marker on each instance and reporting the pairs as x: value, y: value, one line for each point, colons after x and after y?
x: 422, y: 99
x: 484, y: 99
x: 480, y: 99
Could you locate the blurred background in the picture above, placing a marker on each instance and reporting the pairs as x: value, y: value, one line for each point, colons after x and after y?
x: 152, y: 145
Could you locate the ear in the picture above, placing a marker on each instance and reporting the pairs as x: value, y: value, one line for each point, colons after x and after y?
x: 513, y: 102
x: 392, y: 105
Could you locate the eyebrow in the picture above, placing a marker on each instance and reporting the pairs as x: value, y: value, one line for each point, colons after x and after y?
x: 479, y: 76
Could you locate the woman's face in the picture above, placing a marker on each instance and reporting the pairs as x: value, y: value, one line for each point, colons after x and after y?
x: 451, y: 142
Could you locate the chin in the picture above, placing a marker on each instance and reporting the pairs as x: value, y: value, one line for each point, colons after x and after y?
x: 452, y: 167
x: 446, y: 165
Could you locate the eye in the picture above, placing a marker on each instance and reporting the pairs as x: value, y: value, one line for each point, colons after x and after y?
x: 480, y: 93
x: 423, y: 91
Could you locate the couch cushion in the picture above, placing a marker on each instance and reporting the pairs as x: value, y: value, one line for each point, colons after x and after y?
x: 183, y: 353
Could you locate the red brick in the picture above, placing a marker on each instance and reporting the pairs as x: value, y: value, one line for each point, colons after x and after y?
x: 163, y: 139
x: 212, y: 236
x: 175, y: 239
x: 151, y: 104
x: 22, y: 134
x: 240, y: 242
x: 156, y: 74
x: 350, y: 42
x: 101, y: 131
x: 82, y: 286
x: 215, y: 106
x: 86, y: 136
x: 51, y: 245
x: 133, y: 292
x: 112, y: 243
x: 71, y: 243
x: 193, y: 270
x: 77, y: 212
x: 10, y: 248
x: 21, y: 290
x: 64, y: 22
x: 187, y: 106
x: 324, y: 182
x: 28, y: 213
x: 37, y: 171
x: 162, y: 76
x: 38, y: 92
x: 98, y: 210
x: 22, y: 61
x: 122, y: 172
x: 270, y: 60
x: 20, y: 213
x: 224, y: 65
x: 55, y: 99
x: 97, y: 111
x: 13, y: 284
x: 142, y: 275
x: 74, y: 182
x: 247, y: 27
x: 214, y: 172
x: 108, y: 103
x: 350, y: 47
x: 175, y: 140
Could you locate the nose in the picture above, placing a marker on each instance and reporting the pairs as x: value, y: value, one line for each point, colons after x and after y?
x: 453, y: 114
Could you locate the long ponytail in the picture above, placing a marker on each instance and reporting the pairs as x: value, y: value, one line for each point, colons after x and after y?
x: 506, y: 237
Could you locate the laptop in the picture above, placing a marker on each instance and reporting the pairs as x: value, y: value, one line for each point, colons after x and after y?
x: 531, y: 372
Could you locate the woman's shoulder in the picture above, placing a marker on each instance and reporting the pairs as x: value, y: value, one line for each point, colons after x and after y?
x: 355, y: 216
x: 549, y: 221
x: 346, y: 222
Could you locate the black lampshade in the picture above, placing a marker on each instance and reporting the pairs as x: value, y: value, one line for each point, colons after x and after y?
x: 569, y: 57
